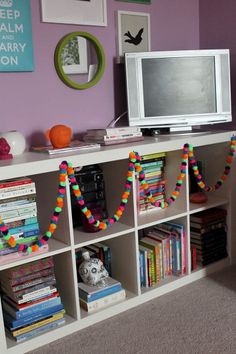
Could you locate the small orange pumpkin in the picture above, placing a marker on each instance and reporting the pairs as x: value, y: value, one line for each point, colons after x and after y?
x: 59, y: 136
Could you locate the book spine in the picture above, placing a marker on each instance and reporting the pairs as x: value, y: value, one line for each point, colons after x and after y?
x: 17, y: 187
x: 18, y: 193
x: 40, y: 330
x: 31, y: 268
x: 38, y: 293
x: 21, y: 222
x: 99, y: 294
x: 17, y: 331
x: 41, y: 273
x: 18, y: 212
x: 13, y: 205
x: 31, y: 214
x: 15, y: 183
x: 31, y: 310
x: 104, y: 302
x: 33, y: 282
x: 33, y: 317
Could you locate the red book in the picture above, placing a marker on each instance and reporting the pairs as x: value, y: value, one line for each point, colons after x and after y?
x: 15, y: 182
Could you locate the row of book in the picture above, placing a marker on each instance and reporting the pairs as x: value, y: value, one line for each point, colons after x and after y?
x: 153, y: 167
x: 18, y: 209
x: 208, y: 236
x: 111, y: 136
x: 30, y: 300
x: 162, y: 252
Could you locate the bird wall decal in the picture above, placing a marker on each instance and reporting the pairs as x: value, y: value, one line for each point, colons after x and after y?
x: 134, y: 40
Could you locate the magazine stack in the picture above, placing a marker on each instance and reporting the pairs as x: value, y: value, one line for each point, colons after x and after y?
x: 111, y: 136
x: 30, y: 300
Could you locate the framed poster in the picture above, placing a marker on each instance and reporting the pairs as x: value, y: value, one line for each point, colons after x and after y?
x: 81, y: 12
x: 16, y: 50
x: 133, y: 32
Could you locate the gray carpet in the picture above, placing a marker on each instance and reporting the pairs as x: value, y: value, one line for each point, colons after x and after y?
x: 197, y: 318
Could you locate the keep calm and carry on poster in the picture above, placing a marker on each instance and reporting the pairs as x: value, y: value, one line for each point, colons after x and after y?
x: 16, y: 50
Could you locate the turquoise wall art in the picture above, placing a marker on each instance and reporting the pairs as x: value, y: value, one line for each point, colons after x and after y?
x: 16, y: 50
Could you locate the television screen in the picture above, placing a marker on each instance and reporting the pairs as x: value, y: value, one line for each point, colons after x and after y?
x: 177, y: 86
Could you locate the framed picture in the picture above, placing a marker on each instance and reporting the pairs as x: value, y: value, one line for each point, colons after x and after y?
x: 138, y: 1
x: 74, y: 56
x: 16, y: 48
x: 81, y: 12
x: 133, y: 32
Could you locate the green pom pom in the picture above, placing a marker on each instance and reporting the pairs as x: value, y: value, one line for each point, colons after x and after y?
x: 29, y: 249
x: 70, y: 164
x: 63, y: 184
x: 58, y: 209
x: 75, y: 187
x: 116, y: 217
x: 48, y: 234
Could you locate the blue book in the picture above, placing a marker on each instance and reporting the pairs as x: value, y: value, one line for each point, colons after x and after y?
x: 42, y: 329
x: 90, y: 293
x: 31, y: 309
x: 12, y: 323
x: 23, y: 228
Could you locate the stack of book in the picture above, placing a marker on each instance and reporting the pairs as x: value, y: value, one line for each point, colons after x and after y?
x: 94, y: 298
x: 153, y: 167
x: 208, y: 235
x: 91, y: 182
x: 162, y: 252
x: 18, y: 210
x: 97, y: 250
x: 30, y: 300
x: 110, y: 136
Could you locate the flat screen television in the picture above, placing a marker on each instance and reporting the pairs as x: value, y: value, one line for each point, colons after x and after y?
x: 178, y: 89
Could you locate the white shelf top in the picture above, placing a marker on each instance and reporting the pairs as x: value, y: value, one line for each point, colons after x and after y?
x: 30, y: 163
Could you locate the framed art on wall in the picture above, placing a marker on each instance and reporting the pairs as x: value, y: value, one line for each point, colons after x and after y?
x: 74, y: 56
x: 133, y: 32
x: 16, y: 48
x: 81, y: 12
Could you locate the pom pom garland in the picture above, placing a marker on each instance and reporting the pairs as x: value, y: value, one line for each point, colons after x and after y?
x: 134, y: 166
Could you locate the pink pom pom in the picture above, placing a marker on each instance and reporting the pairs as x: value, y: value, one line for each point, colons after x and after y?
x: 55, y: 218
x: 21, y: 248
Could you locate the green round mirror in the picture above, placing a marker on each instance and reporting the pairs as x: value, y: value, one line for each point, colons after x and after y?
x: 79, y: 60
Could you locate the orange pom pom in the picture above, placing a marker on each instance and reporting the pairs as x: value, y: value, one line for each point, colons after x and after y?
x: 102, y: 226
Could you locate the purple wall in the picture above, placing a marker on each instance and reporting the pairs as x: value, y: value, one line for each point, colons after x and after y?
x: 217, y: 31
x: 34, y: 102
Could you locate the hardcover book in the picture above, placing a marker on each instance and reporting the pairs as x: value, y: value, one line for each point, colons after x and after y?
x: 103, y: 302
x: 90, y: 293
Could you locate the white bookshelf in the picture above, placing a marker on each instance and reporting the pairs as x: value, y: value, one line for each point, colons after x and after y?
x: 122, y: 238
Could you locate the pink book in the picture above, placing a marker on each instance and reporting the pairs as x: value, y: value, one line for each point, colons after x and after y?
x: 17, y: 256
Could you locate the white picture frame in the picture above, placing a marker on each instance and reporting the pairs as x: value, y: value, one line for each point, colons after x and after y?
x: 81, y: 12
x: 75, y: 63
x: 130, y: 37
